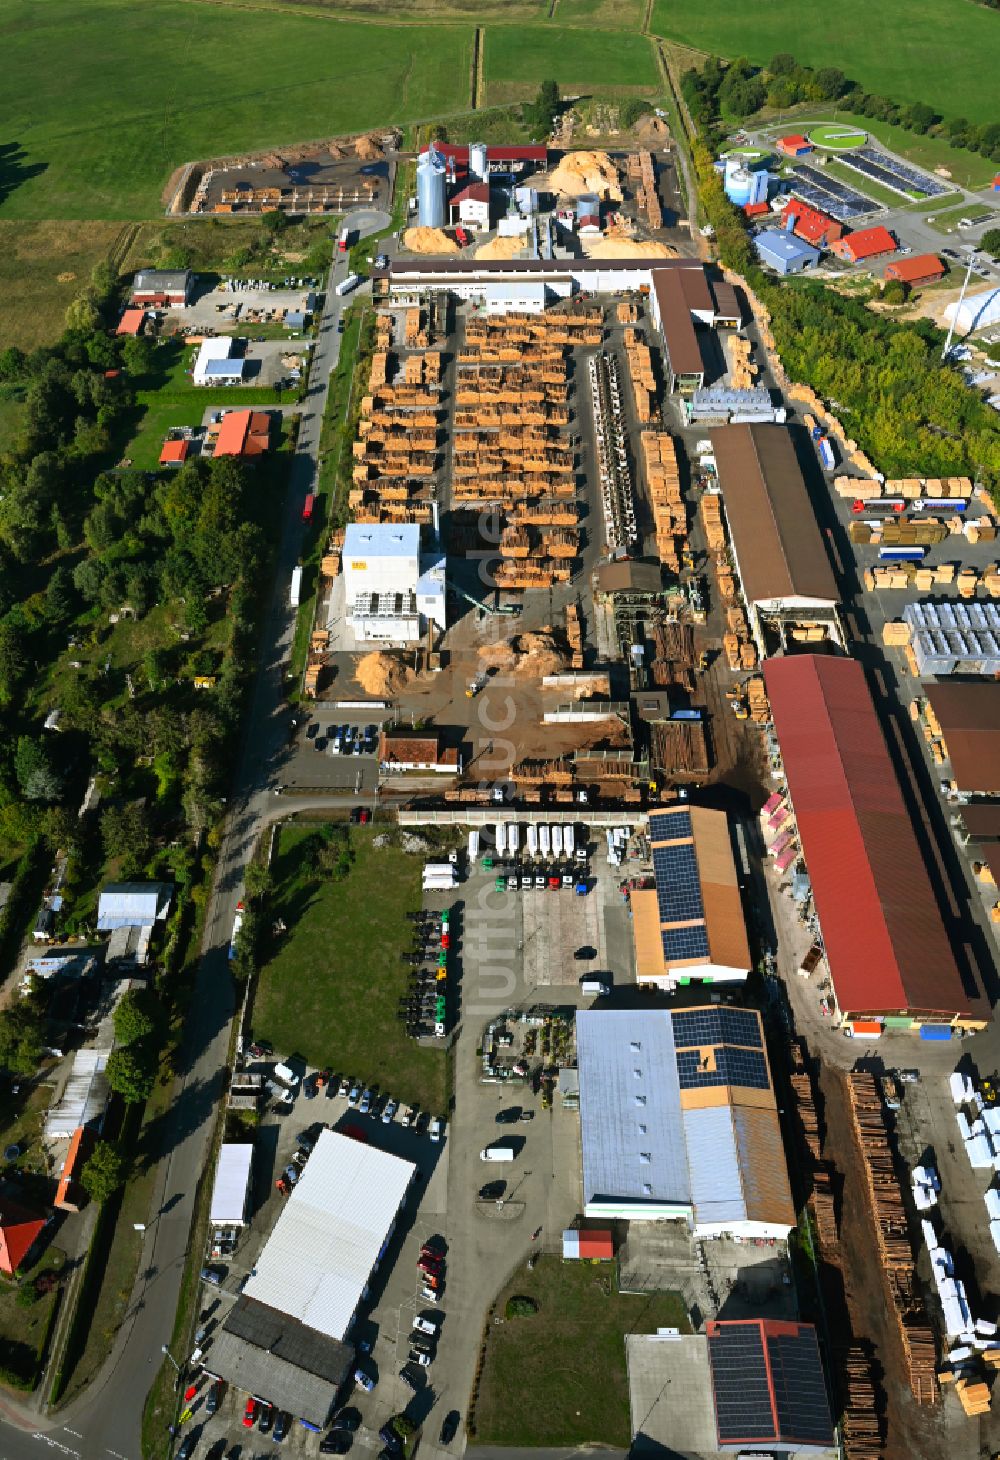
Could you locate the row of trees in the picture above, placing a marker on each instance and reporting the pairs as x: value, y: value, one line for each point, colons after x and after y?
x: 720, y: 93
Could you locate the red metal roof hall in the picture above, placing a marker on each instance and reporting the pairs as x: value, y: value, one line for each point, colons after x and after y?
x: 886, y: 944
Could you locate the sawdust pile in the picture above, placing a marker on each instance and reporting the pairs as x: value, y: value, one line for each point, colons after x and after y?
x: 532, y: 655
x: 382, y: 675
x: 367, y: 148
x: 428, y: 240
x: 627, y: 248
x: 65, y: 278
x: 587, y: 172
x: 336, y: 152
x: 652, y: 131
x: 502, y: 248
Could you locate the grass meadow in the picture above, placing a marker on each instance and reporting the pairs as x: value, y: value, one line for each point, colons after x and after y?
x: 943, y: 52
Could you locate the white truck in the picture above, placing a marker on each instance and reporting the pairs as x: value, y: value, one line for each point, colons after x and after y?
x: 532, y: 834
x: 473, y: 846
x: 295, y: 590
x: 497, y: 1153
x: 346, y: 285
x: 513, y: 836
x: 557, y: 841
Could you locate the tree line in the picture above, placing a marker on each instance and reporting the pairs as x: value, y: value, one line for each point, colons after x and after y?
x: 720, y: 93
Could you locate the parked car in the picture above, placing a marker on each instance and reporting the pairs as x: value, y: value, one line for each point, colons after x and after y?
x: 366, y: 1102
x: 345, y: 1086
x: 407, y: 1117
x: 337, y: 1442
x: 424, y: 1325
x: 310, y: 1087
x: 510, y: 1116
x: 430, y: 1295
x: 390, y: 1439
x: 213, y: 1275
x: 492, y: 1191
x: 433, y: 1265
x: 449, y: 1429
x: 214, y: 1398
x: 416, y: 1357
x: 187, y: 1446
x: 281, y: 1426
x: 354, y: 1094
x: 420, y: 1122
x: 291, y: 1173
x: 266, y: 1418
x: 366, y: 1381
x: 436, y: 1128
x: 391, y: 1106
x: 421, y: 1345
x: 346, y: 1419
x: 434, y: 1247
x: 249, y: 1413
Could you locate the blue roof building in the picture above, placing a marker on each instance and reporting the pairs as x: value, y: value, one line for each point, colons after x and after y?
x: 785, y: 253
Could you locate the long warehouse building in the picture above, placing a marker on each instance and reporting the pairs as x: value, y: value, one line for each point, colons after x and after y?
x: 787, y: 579
x: 887, y: 949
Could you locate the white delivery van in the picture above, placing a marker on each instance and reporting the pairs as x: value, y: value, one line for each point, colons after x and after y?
x: 497, y: 1153
x: 598, y: 987
x: 286, y: 1077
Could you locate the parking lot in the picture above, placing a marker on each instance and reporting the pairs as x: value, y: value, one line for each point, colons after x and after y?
x: 218, y: 309
x: 320, y: 757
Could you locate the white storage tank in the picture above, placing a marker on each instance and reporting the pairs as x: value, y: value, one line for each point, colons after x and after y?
x: 478, y: 164
x: 532, y: 835
x: 432, y: 189
x: 557, y: 841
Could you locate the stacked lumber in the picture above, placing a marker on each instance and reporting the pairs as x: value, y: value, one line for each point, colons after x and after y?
x: 626, y: 312
x: 743, y: 372
x: 974, y: 1398
x: 860, y: 1424
x: 659, y: 458
x: 680, y: 747
x: 885, y: 1200
x: 673, y: 655
x: 641, y: 170
x: 639, y: 359
x: 711, y: 518
x: 574, y: 635
x: 760, y: 710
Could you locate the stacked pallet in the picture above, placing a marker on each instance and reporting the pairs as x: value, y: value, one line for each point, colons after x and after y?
x: 545, y: 512
x: 414, y: 330
x: 570, y: 325
x: 641, y: 170
x: 659, y: 457
x: 383, y: 331
x: 626, y: 312
x: 711, y: 518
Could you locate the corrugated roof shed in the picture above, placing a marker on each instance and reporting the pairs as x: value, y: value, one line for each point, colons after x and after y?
x: 679, y: 336
x: 969, y: 716
x: 266, y: 1352
x: 84, y: 1096
x: 324, y: 1246
x: 133, y: 904
x: 772, y: 525
x: 885, y: 942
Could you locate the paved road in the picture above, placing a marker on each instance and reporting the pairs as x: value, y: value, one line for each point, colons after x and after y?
x: 106, y: 1421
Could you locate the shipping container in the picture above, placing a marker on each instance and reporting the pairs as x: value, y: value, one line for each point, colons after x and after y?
x: 307, y: 507
x: 295, y: 591
x: 935, y: 1031
x: 901, y: 554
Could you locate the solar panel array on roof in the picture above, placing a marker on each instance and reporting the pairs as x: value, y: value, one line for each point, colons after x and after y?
x: 717, y: 1026
x: 739, y: 1380
x: 799, y: 1391
x: 744, y: 1067
x: 681, y: 943
x: 678, y: 887
x: 666, y: 825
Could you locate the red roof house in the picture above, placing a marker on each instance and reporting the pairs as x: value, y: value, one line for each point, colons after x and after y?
x: 811, y: 225
x: 756, y: 210
x: 19, y: 1230
x: 886, y: 944
x: 795, y: 145
x: 243, y: 433
x: 922, y: 268
x: 867, y: 243
x: 174, y: 452
x: 131, y: 322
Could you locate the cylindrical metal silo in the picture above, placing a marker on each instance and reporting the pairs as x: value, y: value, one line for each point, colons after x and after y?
x: 432, y: 191
x: 478, y: 166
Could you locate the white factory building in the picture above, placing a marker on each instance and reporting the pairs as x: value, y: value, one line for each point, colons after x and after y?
x: 678, y: 1121
x: 216, y: 364
x: 319, y: 1259
x: 392, y: 590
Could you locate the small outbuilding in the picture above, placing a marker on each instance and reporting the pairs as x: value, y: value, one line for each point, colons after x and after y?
x: 922, y: 268
x: 20, y: 1229
x: 588, y: 1246
x: 131, y: 322
x: 231, y: 1192
x: 794, y: 145
x: 175, y: 452
x: 158, y: 288
x: 243, y: 433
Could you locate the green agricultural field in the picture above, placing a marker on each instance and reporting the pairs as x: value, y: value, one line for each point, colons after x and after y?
x: 329, y: 993
x: 101, y: 103
x: 43, y: 266
x: 597, y: 62
x: 617, y: 14
x: 942, y: 52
